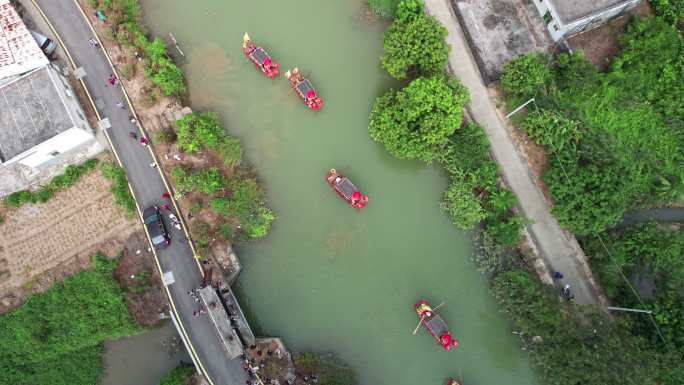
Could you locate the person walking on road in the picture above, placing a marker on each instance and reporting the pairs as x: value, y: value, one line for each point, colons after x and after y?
x: 133, y: 135
x: 93, y: 43
x: 121, y: 105
x: 144, y: 141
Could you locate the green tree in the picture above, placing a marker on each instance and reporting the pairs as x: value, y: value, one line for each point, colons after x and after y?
x: 415, y: 123
x: 525, y: 75
x: 415, y: 42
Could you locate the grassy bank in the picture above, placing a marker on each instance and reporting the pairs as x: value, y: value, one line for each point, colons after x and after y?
x: 55, y: 337
x: 71, y: 175
x: 222, y: 193
x: 119, y: 188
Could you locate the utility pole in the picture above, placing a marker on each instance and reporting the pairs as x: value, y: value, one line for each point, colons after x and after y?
x: 521, y: 107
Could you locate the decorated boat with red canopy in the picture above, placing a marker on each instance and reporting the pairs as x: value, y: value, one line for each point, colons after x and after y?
x: 346, y: 189
x: 453, y: 382
x: 259, y: 57
x: 305, y: 89
x: 435, y: 325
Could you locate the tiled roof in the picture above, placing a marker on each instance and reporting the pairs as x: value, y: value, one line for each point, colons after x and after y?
x: 19, y: 52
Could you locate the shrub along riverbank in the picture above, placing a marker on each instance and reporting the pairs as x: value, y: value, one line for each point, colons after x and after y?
x: 226, y: 195
x: 566, y: 344
x: 614, y: 142
x: 55, y: 337
x: 614, y: 139
x: 230, y: 194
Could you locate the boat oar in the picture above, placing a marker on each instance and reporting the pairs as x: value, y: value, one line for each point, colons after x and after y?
x: 438, y: 306
x: 419, y: 322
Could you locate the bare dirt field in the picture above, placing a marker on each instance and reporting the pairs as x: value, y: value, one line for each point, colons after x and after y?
x: 601, y: 44
x: 44, y: 243
x: 138, y: 275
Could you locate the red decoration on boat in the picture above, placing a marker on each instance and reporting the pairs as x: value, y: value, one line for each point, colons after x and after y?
x: 346, y: 189
x: 435, y: 325
x: 453, y: 382
x: 305, y: 89
x: 259, y: 57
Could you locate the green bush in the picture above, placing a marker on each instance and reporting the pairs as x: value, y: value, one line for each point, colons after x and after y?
x: 670, y: 10
x: 200, y: 130
x: 247, y: 203
x: 525, y: 75
x: 207, y: 181
x: 551, y: 129
x: 125, y: 19
x: 653, y: 253
x: 179, y: 375
x: 614, y: 139
x: 119, y: 187
x: 415, y: 123
x: 230, y: 150
x: 71, y: 175
x: 201, y: 233
x: 462, y: 205
x: 414, y: 43
x: 54, y: 338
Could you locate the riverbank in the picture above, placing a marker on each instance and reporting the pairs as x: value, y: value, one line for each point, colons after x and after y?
x: 330, y: 278
x: 219, y: 193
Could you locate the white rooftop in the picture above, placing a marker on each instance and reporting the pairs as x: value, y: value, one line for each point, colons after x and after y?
x: 571, y: 10
x: 19, y: 52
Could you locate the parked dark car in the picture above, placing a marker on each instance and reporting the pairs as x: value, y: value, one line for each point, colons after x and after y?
x: 155, y: 226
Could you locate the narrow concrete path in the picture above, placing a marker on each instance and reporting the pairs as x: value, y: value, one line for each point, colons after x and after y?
x: 148, y: 187
x: 559, y: 249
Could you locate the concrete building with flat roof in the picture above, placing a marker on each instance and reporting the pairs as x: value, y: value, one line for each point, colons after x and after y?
x: 43, y: 128
x: 565, y: 18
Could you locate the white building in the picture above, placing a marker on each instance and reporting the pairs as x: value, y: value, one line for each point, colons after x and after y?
x: 42, y: 125
x: 565, y: 18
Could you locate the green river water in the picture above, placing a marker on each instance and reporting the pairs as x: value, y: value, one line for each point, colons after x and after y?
x: 329, y: 277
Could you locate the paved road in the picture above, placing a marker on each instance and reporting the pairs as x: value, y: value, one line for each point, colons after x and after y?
x: 147, y: 186
x: 560, y: 252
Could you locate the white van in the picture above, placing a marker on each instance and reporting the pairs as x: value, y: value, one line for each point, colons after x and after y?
x: 46, y: 44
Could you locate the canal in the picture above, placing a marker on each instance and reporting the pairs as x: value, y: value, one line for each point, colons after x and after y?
x: 330, y: 278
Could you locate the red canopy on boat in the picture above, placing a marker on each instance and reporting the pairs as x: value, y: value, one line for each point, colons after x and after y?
x: 311, y: 94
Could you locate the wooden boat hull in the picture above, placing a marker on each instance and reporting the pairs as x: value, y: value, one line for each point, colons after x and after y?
x: 346, y: 189
x: 260, y: 58
x: 303, y: 87
x: 435, y: 325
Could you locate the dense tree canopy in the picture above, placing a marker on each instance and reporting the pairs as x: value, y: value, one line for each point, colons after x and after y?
x: 414, y: 42
x: 415, y: 122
